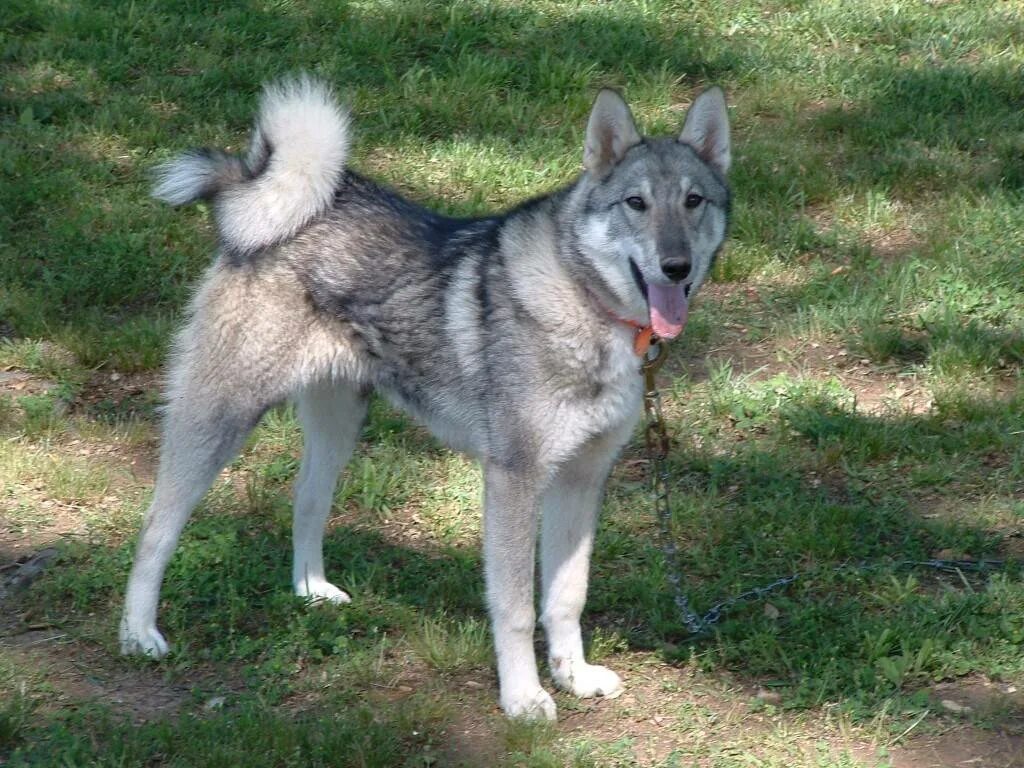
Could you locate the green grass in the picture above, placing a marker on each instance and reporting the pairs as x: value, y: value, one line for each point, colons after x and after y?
x: 848, y: 393
x: 248, y: 735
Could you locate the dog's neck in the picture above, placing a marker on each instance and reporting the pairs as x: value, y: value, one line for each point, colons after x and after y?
x: 644, y: 334
x: 560, y: 302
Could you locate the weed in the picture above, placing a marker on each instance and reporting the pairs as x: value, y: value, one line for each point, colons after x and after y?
x: 16, y: 714
x: 453, y: 646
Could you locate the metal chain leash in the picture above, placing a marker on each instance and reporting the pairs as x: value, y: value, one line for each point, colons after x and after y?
x: 657, y: 444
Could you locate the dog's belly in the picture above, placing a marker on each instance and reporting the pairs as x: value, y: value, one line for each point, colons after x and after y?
x: 456, y: 422
x: 550, y: 428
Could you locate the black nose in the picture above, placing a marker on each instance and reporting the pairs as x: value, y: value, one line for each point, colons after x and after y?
x: 676, y: 269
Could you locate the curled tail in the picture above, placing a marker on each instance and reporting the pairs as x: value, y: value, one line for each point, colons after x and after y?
x: 295, y: 161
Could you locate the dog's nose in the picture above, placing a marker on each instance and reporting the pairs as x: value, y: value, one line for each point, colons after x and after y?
x: 676, y: 269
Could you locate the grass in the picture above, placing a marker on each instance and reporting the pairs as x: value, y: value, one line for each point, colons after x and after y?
x: 848, y: 390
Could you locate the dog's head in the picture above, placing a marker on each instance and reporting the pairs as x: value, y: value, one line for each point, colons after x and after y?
x: 654, y: 210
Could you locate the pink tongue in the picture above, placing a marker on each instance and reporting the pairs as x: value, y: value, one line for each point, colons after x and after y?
x: 668, y: 309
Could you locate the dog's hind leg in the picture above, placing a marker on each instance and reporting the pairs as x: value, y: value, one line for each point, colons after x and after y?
x: 231, y: 364
x: 570, y: 510
x: 201, y: 433
x: 331, y: 416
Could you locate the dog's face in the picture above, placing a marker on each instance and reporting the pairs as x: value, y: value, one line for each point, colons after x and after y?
x: 655, y: 210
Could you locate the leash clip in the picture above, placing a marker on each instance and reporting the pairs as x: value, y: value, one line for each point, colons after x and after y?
x: 653, y: 354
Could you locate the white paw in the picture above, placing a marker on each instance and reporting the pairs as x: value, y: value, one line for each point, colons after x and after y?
x: 529, y: 704
x: 585, y: 680
x: 143, y: 642
x: 321, y: 592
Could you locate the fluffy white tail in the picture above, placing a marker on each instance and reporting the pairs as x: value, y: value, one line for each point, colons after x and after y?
x: 295, y: 160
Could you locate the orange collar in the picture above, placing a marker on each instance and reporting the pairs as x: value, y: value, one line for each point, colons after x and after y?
x: 644, y: 336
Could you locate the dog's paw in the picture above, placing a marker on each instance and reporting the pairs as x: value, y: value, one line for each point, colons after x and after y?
x: 585, y: 680
x: 143, y: 642
x: 529, y: 704
x: 321, y: 592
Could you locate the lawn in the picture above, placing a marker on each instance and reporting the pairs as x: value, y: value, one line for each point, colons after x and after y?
x: 846, y: 397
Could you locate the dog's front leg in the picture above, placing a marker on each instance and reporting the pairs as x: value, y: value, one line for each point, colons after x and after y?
x: 511, y: 507
x: 570, y: 510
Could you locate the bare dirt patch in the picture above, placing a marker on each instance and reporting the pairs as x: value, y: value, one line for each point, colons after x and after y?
x: 20, y: 540
x: 890, y: 241
x: 78, y: 677
x: 981, y: 723
x: 78, y: 672
x: 97, y: 454
x: 471, y: 737
x: 114, y: 396
x: 15, y: 383
x: 878, y: 388
x: 960, y: 747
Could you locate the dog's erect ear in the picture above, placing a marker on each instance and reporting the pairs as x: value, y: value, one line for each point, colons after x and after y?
x: 610, y: 133
x: 707, y: 129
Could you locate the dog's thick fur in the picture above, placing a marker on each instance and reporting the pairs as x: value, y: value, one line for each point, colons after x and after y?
x: 510, y: 337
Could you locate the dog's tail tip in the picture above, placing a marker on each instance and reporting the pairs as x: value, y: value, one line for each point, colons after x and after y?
x: 199, y: 174
x: 295, y: 161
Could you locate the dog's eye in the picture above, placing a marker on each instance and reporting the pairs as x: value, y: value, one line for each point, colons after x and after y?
x: 636, y: 203
x: 693, y: 200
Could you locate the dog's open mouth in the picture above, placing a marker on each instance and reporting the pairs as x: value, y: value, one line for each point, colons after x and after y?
x: 668, y: 304
x: 638, y: 277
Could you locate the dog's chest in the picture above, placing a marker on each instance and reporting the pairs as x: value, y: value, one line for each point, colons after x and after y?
x: 597, y: 391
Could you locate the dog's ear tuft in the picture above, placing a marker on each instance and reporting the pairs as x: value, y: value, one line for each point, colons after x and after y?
x: 610, y: 133
x: 707, y: 129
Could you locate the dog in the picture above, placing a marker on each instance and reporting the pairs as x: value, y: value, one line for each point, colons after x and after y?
x: 515, y: 338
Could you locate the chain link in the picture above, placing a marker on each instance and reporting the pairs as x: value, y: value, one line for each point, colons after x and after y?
x: 657, y: 444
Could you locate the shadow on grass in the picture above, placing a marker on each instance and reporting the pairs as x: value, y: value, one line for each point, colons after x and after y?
x: 843, y: 499
x: 518, y: 50
x: 932, y: 127
x: 742, y: 519
x: 250, y: 734
x: 126, y: 85
x: 861, y: 638
x: 117, y: 86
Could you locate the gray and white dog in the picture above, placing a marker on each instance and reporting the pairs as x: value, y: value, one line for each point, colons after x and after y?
x: 511, y: 337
